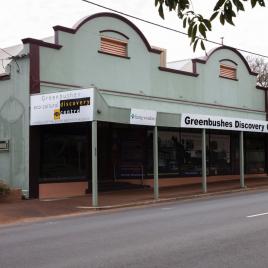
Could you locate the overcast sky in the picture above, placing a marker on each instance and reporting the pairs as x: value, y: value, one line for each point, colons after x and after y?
x: 35, y: 18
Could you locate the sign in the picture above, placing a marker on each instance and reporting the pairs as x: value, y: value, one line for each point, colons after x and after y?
x: 143, y: 117
x: 4, y: 145
x: 223, y: 123
x: 62, y: 107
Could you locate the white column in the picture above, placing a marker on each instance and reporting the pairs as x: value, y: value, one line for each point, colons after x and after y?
x: 94, y: 165
x: 241, y: 153
x: 204, y: 164
x: 155, y: 153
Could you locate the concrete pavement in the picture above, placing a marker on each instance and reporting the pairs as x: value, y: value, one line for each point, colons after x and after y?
x: 32, y: 210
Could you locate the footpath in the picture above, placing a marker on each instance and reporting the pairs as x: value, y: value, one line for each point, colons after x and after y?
x: 21, y: 211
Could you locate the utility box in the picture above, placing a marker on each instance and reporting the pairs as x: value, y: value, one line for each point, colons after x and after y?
x: 4, y: 145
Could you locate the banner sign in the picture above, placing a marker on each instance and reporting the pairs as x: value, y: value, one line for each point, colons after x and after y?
x: 62, y: 107
x: 223, y: 123
x: 143, y: 117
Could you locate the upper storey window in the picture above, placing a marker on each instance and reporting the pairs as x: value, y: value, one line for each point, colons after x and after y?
x: 113, y: 46
x: 228, y: 70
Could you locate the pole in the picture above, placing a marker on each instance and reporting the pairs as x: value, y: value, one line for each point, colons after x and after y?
x: 155, y: 152
x: 204, y: 164
x: 94, y: 165
x: 241, y: 152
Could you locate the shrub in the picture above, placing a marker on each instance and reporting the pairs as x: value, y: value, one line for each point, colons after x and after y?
x: 4, y: 189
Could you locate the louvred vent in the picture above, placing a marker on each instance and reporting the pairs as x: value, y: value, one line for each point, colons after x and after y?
x: 227, y: 71
x: 113, y: 46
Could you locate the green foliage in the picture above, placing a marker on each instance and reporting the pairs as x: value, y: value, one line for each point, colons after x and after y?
x: 4, y: 189
x: 196, y: 25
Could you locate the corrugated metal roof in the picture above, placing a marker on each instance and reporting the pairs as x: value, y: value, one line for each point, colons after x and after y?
x: 6, y: 53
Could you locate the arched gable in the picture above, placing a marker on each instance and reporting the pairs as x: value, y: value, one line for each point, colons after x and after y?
x: 205, y: 59
x: 111, y: 15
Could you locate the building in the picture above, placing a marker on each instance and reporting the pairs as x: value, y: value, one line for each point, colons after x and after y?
x: 98, y: 105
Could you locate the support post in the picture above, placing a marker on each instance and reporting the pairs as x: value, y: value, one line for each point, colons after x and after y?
x: 241, y: 154
x: 204, y: 164
x: 155, y: 151
x: 94, y: 165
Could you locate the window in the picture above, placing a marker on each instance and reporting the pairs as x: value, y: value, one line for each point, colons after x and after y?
x: 191, y: 153
x: 219, y: 154
x: 113, y: 46
x: 228, y: 71
x: 169, y: 148
x: 128, y: 152
x: 180, y: 153
x: 255, y: 154
x: 64, y: 153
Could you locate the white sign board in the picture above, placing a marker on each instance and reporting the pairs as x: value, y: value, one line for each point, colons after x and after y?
x: 62, y: 107
x: 143, y: 117
x: 223, y: 123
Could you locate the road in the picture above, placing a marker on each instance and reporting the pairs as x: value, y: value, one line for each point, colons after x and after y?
x: 226, y: 231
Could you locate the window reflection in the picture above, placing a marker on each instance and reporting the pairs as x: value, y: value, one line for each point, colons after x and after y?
x: 64, y: 157
x: 192, y: 153
x: 219, y: 155
x: 180, y: 153
x: 255, y: 155
x: 65, y: 153
x: 169, y: 143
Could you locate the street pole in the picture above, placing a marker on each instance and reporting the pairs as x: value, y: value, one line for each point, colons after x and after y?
x: 155, y: 152
x: 204, y: 164
x: 94, y: 164
x: 241, y: 153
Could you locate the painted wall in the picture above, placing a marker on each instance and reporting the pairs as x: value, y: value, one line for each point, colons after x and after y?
x: 14, y: 125
x: 79, y: 63
x: 123, y: 83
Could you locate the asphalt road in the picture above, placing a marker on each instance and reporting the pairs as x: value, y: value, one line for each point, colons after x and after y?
x: 215, y: 232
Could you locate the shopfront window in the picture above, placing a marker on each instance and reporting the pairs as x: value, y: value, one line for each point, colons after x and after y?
x: 255, y: 155
x: 64, y: 157
x: 128, y: 151
x: 191, y: 154
x: 180, y: 153
x: 169, y: 147
x: 219, y: 155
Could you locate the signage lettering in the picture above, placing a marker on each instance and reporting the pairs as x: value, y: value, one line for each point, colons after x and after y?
x: 143, y: 117
x: 224, y: 123
x: 62, y: 107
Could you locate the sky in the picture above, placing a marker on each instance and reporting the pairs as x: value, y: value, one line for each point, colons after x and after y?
x: 35, y: 18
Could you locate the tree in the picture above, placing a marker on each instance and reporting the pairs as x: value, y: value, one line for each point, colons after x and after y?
x: 196, y: 24
x: 258, y: 65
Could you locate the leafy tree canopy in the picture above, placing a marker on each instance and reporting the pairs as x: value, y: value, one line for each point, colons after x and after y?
x: 196, y: 24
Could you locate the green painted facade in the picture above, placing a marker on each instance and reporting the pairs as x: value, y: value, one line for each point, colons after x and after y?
x: 14, y: 123
x: 121, y: 84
